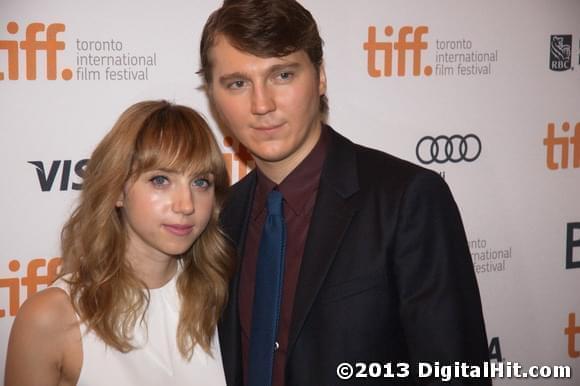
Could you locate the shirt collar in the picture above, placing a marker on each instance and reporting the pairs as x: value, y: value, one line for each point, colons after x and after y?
x: 300, y: 184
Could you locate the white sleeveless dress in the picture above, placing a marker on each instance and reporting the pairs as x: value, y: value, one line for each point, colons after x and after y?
x: 156, y: 361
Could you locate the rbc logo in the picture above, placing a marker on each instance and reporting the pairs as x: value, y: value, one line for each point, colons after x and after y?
x: 46, y: 181
x: 401, y: 47
x: 31, y: 45
x: 560, y: 52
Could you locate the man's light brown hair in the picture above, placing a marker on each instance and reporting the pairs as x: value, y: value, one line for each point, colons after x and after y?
x: 264, y: 28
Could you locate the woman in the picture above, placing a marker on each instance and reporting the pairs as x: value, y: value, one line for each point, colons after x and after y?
x: 146, y: 266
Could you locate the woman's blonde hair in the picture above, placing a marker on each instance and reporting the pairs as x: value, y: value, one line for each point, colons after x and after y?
x: 104, y: 290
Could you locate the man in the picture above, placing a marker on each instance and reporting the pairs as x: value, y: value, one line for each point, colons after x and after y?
x: 375, y: 264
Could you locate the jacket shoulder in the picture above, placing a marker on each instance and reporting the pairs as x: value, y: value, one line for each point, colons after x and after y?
x: 239, y: 191
x: 378, y: 167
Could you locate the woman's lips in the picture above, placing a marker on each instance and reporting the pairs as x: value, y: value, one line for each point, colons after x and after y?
x: 179, y: 230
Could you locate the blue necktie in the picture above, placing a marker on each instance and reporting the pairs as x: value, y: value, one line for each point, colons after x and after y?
x: 267, y: 294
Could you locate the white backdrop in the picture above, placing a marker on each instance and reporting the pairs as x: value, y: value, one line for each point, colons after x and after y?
x: 495, y: 73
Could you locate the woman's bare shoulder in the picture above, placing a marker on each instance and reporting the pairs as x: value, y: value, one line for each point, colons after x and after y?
x: 41, y: 338
x: 47, y: 311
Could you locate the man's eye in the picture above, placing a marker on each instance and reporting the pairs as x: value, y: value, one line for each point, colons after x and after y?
x: 286, y: 75
x: 201, y: 183
x: 159, y: 180
x: 237, y: 84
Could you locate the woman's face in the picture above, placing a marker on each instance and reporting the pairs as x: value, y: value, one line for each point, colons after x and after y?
x: 165, y: 212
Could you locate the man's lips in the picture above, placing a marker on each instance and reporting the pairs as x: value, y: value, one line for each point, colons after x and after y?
x: 268, y: 127
x: 179, y: 230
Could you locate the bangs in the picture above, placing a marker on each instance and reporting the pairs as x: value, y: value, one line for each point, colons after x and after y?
x: 176, y: 139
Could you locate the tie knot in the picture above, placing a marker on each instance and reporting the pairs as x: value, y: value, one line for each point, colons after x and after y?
x: 275, y: 203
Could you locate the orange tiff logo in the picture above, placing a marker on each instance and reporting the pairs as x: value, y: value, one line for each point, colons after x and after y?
x: 402, y: 46
x: 240, y: 156
x: 563, y: 144
x: 31, y: 280
x: 31, y: 45
x: 571, y: 331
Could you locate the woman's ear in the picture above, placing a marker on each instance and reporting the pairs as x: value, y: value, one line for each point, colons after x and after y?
x: 120, y: 200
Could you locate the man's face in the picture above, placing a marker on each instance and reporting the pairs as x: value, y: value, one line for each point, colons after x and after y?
x: 271, y: 105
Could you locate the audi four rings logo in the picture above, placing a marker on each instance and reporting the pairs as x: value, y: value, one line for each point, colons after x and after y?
x: 443, y: 149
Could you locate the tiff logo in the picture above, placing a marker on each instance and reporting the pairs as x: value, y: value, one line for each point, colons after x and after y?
x: 46, y: 180
x: 402, y: 46
x: 572, y: 243
x: 562, y: 143
x: 239, y: 155
x: 31, y: 280
x: 571, y: 331
x: 31, y: 45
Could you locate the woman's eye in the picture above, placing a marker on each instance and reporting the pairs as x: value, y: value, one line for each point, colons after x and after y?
x: 159, y: 180
x: 201, y: 183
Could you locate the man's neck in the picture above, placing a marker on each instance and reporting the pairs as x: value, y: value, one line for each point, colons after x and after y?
x: 277, y: 171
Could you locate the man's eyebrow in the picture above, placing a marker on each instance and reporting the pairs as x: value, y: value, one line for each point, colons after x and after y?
x: 225, y: 79
x: 285, y: 66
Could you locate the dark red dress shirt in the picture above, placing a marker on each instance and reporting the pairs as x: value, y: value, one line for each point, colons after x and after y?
x: 299, y: 191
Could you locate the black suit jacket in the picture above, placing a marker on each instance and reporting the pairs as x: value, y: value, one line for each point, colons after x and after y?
x: 386, y: 274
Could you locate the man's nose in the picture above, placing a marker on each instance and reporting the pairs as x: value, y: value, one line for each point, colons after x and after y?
x: 262, y: 99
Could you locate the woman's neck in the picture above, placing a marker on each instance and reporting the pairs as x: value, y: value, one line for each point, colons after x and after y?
x: 154, y: 273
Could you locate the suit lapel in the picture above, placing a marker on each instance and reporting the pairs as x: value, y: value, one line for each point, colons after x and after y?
x: 235, y: 224
x: 330, y: 220
x: 236, y: 211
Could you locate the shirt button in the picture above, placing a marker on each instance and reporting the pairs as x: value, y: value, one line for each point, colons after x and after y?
x: 276, y: 346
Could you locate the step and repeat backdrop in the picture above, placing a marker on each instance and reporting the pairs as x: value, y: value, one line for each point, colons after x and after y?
x: 485, y: 93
